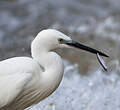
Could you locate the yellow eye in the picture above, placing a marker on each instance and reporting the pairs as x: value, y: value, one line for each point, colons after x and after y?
x: 60, y: 40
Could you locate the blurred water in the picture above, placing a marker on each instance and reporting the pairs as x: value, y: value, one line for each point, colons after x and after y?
x: 78, y: 92
x: 92, y: 22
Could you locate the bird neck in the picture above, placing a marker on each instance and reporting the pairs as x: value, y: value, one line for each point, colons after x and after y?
x: 50, y: 61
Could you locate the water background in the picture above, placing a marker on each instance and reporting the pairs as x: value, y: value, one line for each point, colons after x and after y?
x: 96, y: 23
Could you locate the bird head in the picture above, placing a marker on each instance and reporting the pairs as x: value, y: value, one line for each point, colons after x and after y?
x: 51, y: 39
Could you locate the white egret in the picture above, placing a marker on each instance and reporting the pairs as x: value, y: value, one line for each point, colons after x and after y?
x: 25, y: 81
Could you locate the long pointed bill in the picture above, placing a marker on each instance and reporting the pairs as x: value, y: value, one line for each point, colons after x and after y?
x: 86, y: 48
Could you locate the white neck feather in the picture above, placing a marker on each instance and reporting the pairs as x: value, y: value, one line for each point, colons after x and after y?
x: 50, y: 61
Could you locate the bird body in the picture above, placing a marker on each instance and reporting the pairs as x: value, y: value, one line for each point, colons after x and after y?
x: 26, y: 75
x: 25, y: 81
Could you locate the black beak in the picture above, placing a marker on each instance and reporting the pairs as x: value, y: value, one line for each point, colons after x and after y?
x: 86, y: 48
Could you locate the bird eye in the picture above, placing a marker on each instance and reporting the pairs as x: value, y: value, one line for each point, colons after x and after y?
x: 60, y: 40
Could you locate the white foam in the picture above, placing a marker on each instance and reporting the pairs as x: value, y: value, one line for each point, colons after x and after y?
x: 77, y: 92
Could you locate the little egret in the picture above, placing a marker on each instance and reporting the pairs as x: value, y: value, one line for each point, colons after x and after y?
x: 26, y: 81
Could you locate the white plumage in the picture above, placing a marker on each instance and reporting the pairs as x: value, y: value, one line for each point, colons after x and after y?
x: 26, y: 81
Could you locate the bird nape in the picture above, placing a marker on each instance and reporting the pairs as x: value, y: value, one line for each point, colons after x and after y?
x: 22, y: 79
